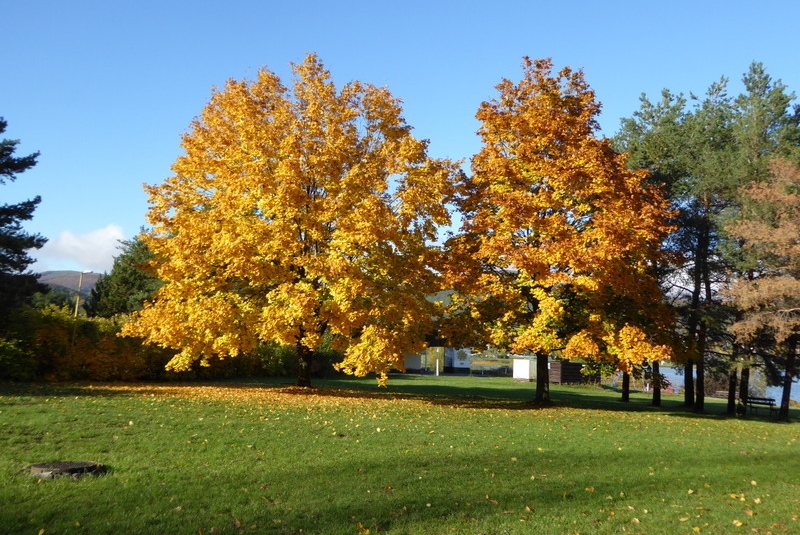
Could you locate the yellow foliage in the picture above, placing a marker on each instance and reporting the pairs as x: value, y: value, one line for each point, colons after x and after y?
x: 582, y: 345
x: 557, y: 230
x: 294, y: 212
x: 632, y: 347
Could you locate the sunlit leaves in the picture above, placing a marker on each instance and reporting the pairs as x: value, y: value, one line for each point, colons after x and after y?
x: 562, y: 236
x: 297, y: 211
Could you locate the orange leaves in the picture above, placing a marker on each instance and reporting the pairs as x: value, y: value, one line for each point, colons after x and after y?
x: 582, y: 345
x: 768, y: 228
x: 541, y: 334
x: 632, y: 347
x: 554, y: 216
x: 296, y: 211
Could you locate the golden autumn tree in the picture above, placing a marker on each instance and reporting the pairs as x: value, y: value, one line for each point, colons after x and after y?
x: 559, y: 238
x: 768, y: 228
x: 297, y: 213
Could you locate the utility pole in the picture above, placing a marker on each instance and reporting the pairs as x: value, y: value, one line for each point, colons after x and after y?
x: 78, y: 297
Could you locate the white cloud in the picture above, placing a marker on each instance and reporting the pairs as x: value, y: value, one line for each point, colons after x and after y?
x: 93, y: 251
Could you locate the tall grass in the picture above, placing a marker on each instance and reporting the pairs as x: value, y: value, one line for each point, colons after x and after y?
x: 427, y: 455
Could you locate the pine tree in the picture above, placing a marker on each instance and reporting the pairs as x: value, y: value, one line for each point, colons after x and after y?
x: 704, y: 154
x: 768, y: 226
x: 129, y: 285
x: 17, y: 283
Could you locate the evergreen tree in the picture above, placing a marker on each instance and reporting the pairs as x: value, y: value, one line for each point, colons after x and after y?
x: 703, y: 155
x: 129, y: 284
x: 17, y: 283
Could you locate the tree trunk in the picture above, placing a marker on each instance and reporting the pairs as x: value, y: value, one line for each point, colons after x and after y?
x: 744, y: 389
x: 700, y: 387
x: 732, y: 380
x: 542, y: 378
x: 304, y: 357
x: 696, y: 324
x: 656, y: 384
x: 700, y: 382
x: 700, y: 402
x: 788, y: 377
x: 626, y: 386
x: 688, y: 383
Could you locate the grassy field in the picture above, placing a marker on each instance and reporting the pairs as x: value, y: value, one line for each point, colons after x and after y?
x: 427, y: 455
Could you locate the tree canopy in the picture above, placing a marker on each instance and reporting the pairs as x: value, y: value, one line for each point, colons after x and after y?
x: 704, y: 153
x: 17, y: 283
x: 129, y: 284
x: 768, y: 226
x: 562, y: 237
x: 297, y: 212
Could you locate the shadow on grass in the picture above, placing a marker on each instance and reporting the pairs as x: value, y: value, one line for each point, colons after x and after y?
x: 462, y: 391
x: 386, y: 495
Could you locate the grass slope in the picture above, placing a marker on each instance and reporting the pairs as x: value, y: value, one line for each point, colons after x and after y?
x: 426, y: 455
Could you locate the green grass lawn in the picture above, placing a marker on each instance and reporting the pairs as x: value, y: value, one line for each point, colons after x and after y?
x: 437, y: 455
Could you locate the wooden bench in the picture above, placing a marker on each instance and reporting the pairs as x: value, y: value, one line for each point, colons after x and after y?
x: 754, y: 402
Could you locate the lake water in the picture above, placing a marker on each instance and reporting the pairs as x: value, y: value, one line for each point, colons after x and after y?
x: 772, y: 391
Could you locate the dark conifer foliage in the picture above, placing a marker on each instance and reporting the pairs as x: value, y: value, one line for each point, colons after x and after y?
x: 17, y: 283
x: 129, y: 284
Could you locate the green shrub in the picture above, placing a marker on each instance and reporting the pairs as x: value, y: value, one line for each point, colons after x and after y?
x: 16, y: 363
x: 51, y: 344
x: 60, y: 347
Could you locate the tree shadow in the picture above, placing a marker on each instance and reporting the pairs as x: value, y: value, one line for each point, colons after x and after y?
x: 475, y: 395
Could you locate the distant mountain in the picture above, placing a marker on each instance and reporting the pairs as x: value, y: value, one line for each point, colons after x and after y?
x: 69, y: 280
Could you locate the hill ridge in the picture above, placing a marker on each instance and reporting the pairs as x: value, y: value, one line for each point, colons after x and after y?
x: 68, y: 279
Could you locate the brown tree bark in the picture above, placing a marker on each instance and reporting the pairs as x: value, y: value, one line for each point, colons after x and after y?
x: 542, y: 379
x: 700, y: 383
x: 732, y: 380
x: 688, y: 383
x: 744, y: 388
x: 626, y: 386
x: 788, y: 377
x: 656, y: 384
x: 304, y: 358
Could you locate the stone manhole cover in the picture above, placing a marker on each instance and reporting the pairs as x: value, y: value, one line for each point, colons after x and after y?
x: 66, y: 468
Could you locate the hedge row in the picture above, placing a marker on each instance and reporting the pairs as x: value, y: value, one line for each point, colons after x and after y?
x: 50, y: 344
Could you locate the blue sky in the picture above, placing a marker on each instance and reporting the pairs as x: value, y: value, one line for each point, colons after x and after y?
x: 104, y: 89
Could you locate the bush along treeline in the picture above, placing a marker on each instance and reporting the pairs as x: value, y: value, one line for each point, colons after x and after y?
x: 46, y: 341
x: 51, y: 344
x: 302, y: 226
